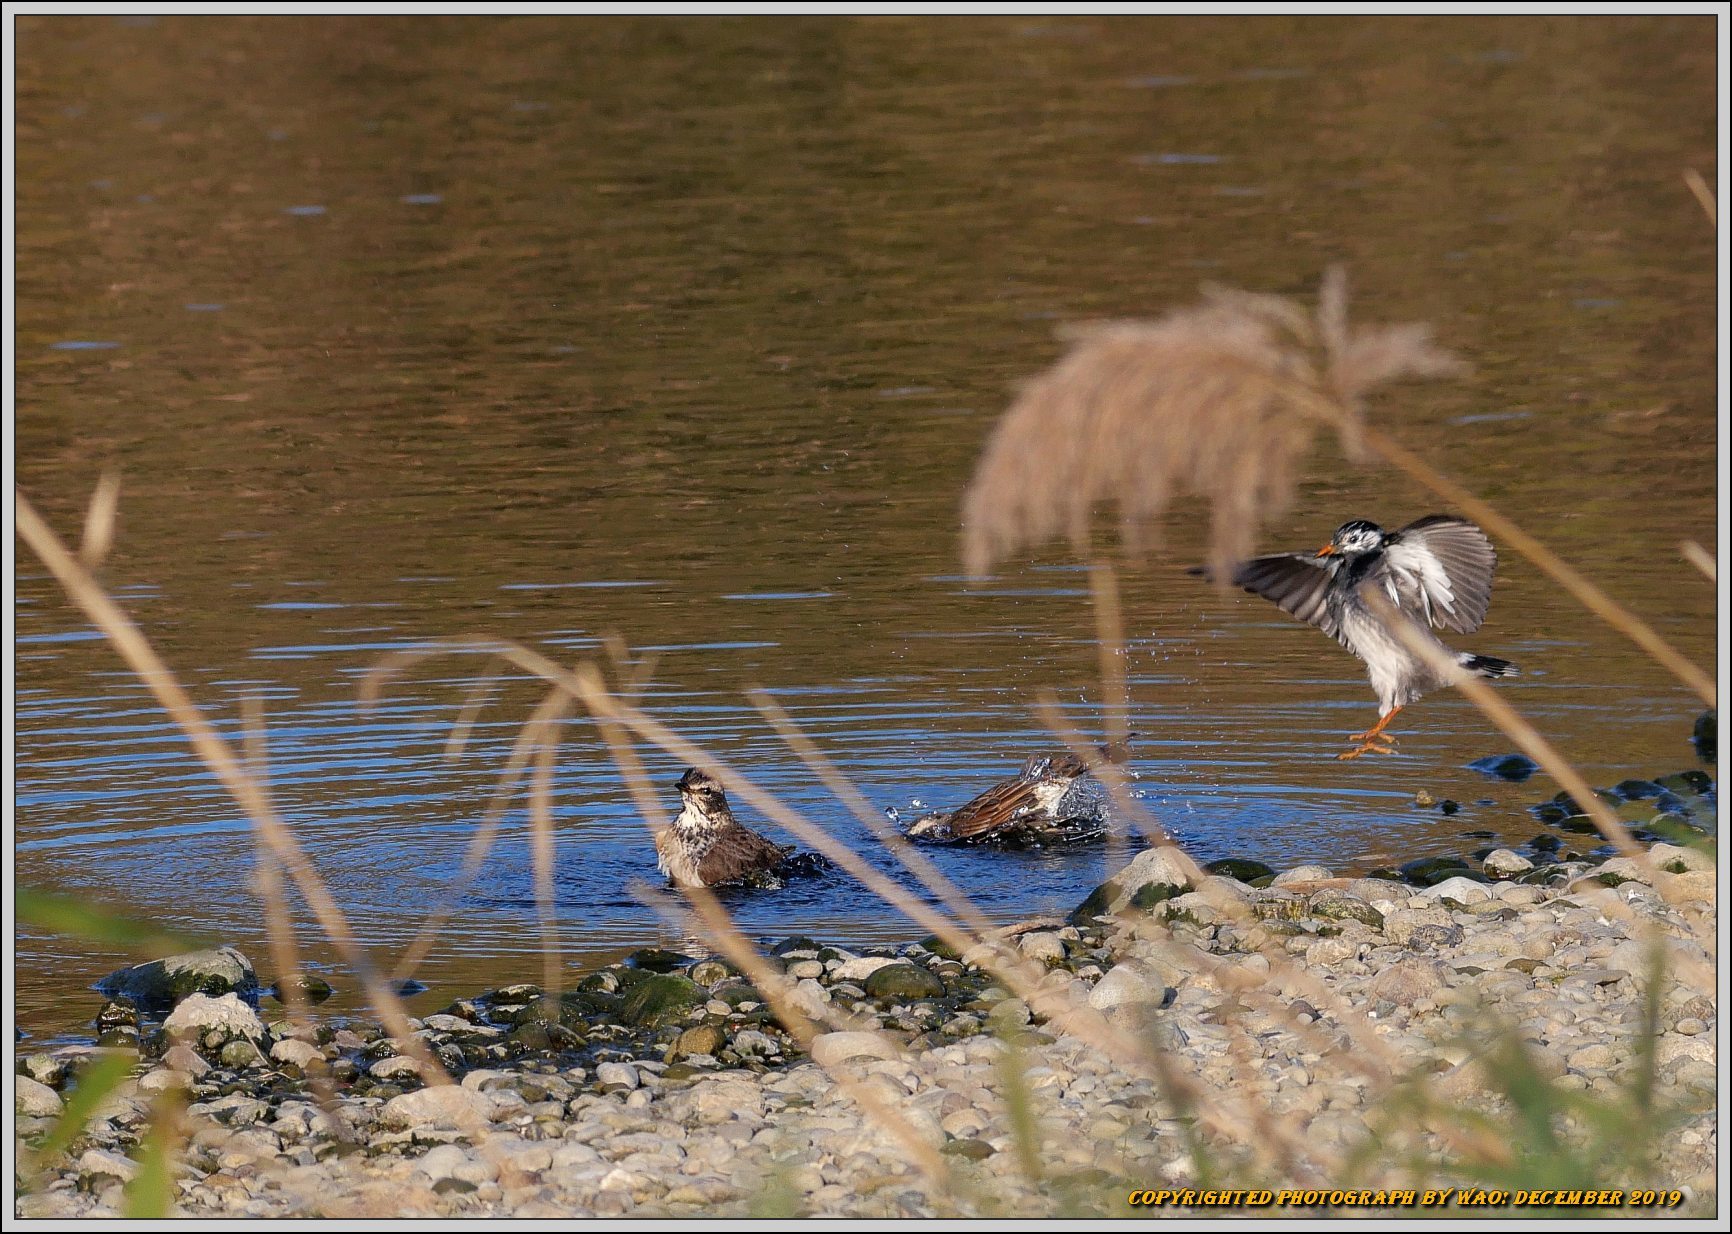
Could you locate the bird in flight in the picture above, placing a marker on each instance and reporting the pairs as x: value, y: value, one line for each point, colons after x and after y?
x: 1436, y: 570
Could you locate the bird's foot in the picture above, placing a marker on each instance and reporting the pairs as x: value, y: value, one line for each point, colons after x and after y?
x: 1370, y: 743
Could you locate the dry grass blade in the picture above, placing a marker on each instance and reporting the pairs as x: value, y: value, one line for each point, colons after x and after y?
x: 1704, y: 195
x: 1110, y: 774
x: 99, y: 519
x: 1201, y: 401
x: 127, y: 640
x: 1083, y: 1022
x: 1700, y: 557
x: 1512, y: 725
x: 480, y: 694
x: 541, y: 843
x: 1110, y: 644
x: 280, y: 928
x: 721, y: 929
x: 916, y: 862
x: 481, y: 843
x: 1566, y: 575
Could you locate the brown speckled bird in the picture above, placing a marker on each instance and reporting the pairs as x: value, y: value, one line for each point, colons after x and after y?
x: 1047, y: 801
x: 706, y: 847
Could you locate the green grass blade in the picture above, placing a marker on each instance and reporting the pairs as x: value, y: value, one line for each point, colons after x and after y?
x: 65, y: 915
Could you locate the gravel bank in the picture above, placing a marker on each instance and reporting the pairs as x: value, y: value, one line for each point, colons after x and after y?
x: 1309, y: 1005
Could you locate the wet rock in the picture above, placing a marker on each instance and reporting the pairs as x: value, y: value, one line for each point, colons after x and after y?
x: 1428, y: 870
x: 1513, y: 767
x: 1502, y: 863
x: 661, y: 999
x: 657, y: 960
x: 1706, y: 736
x: 312, y: 988
x: 117, y: 1013
x: 161, y: 984
x: 1637, y: 790
x: 1239, y: 868
x: 903, y: 982
x: 207, y: 1019
x: 31, y: 1099
x: 795, y: 944
x: 1687, y: 783
x: 829, y: 1049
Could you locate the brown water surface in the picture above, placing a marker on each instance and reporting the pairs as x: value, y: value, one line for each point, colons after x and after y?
x: 400, y: 328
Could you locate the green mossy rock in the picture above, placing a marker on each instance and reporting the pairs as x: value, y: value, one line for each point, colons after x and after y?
x: 1429, y: 871
x: 312, y: 989
x: 161, y: 984
x: 903, y: 983
x: 1241, y: 869
x: 660, y: 999
x: 1098, y: 904
x: 657, y: 960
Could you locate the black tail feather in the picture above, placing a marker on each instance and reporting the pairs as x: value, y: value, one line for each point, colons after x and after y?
x: 1489, y: 666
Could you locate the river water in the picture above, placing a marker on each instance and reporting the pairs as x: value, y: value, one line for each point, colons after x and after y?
x: 690, y: 330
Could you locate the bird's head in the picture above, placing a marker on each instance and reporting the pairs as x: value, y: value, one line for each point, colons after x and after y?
x: 703, y: 790
x: 1350, y: 539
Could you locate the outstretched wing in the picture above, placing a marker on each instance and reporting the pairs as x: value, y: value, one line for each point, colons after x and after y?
x: 1438, y: 569
x: 994, y: 808
x: 1297, y: 583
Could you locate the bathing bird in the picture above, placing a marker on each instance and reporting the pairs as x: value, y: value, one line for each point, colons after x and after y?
x: 706, y: 847
x: 1053, y: 798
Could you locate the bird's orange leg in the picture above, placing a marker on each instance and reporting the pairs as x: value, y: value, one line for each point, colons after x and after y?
x: 1373, y: 740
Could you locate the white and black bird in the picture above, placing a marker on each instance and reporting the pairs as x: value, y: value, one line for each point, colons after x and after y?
x: 1437, y: 570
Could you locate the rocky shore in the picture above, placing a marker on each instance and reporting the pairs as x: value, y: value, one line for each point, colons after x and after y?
x: 1301, y: 1024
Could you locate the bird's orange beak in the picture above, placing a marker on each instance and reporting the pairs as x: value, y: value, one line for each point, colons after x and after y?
x: 1328, y: 550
